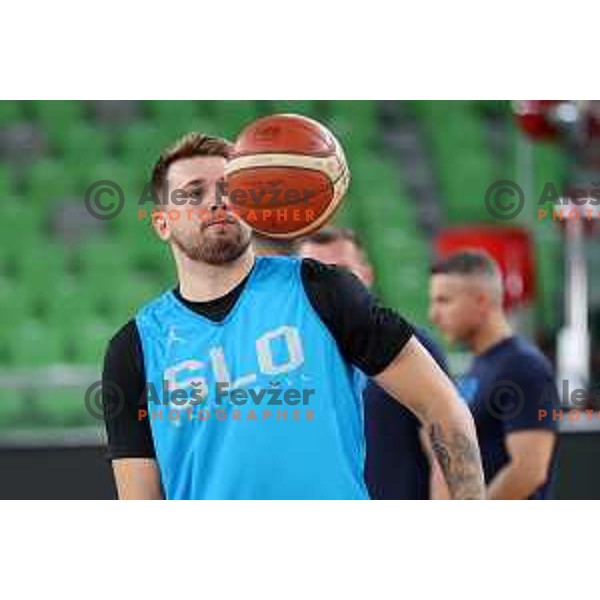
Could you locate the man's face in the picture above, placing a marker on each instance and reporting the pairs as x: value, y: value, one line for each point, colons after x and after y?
x: 340, y: 252
x: 456, y: 306
x: 206, y: 231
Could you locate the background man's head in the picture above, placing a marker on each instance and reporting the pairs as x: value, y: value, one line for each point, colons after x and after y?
x: 194, y: 215
x: 465, y: 292
x: 266, y: 246
x: 338, y: 246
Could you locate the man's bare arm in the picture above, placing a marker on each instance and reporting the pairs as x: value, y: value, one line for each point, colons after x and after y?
x: 530, y: 454
x: 417, y: 381
x: 137, y: 479
x: 438, y: 490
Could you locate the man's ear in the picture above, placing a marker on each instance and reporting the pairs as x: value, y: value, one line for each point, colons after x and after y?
x: 369, y: 275
x: 160, y: 222
x: 484, y: 300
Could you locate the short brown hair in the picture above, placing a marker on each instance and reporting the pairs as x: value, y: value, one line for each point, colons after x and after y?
x: 473, y: 263
x: 466, y: 262
x: 328, y: 235
x: 265, y: 245
x: 190, y: 145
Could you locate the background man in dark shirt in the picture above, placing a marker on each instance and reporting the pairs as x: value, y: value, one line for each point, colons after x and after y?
x: 508, y: 383
x: 396, y: 466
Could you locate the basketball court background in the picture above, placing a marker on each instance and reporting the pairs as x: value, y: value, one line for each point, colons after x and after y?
x: 421, y: 173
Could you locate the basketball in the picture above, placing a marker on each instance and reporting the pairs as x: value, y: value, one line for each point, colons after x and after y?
x: 287, y: 175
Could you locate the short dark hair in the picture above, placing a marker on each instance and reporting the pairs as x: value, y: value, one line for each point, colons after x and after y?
x: 265, y: 245
x: 328, y: 235
x: 190, y: 145
x: 466, y: 262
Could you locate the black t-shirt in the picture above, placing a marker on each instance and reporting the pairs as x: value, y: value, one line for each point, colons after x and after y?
x: 367, y: 334
x: 505, y: 389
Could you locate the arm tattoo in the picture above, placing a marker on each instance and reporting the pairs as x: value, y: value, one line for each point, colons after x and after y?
x: 458, y: 457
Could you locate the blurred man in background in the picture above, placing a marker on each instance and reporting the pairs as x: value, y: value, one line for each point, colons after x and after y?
x: 508, y: 383
x: 266, y: 246
x: 396, y: 466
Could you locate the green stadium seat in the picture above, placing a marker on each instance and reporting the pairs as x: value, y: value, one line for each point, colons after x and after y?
x: 88, y: 343
x: 132, y: 223
x: 135, y: 186
x: 6, y: 181
x: 177, y: 117
x: 11, y: 111
x: 308, y: 108
x: 141, y: 145
x: 69, y: 305
x: 373, y: 174
x: 492, y: 108
x: 12, y: 408
x: 41, y: 267
x: 207, y: 109
x: 174, y: 113
x: 56, y: 116
x: 354, y: 122
x: 101, y: 257
x: 343, y: 128
x: 19, y: 226
x: 147, y: 254
x: 549, y: 274
x: 132, y: 185
x: 127, y: 298
x: 384, y: 217
x: 130, y: 180
x: 102, y: 266
x: 464, y: 175
x: 34, y: 344
x: 16, y: 306
x: 65, y: 407
x: 382, y: 201
x: 364, y: 111
x: 346, y: 215
x: 84, y: 144
x: 548, y: 166
x: 47, y: 182
x: 263, y: 108
x: 231, y: 116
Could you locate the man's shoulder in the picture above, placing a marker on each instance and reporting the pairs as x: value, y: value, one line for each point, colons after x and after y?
x: 124, y: 345
x: 123, y: 335
x: 314, y: 274
x: 273, y: 266
x: 156, y: 307
x: 525, y: 355
x: 311, y: 267
x: 519, y: 361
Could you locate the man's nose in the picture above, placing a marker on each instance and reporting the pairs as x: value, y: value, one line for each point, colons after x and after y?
x: 219, y: 200
x: 218, y: 207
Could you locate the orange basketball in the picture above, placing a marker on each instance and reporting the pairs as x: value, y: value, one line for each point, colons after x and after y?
x: 287, y: 176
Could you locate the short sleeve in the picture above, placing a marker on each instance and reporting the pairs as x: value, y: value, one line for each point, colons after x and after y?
x: 530, y: 398
x: 368, y: 334
x: 123, y: 395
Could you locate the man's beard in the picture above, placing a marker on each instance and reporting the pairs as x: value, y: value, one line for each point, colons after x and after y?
x: 214, y: 249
